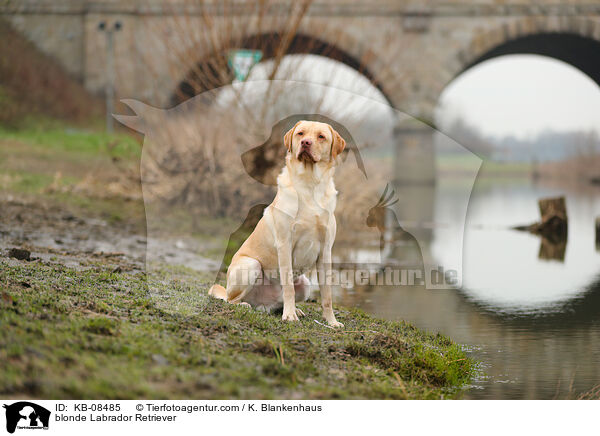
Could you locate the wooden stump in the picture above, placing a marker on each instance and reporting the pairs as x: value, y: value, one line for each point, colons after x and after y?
x: 554, y: 222
x: 553, y: 228
x: 555, y: 206
x: 554, y: 216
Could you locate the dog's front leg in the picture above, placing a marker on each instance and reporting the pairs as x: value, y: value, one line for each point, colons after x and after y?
x: 324, y: 271
x: 286, y: 275
x: 281, y: 223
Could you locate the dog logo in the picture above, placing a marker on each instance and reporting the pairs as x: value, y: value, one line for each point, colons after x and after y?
x: 26, y: 415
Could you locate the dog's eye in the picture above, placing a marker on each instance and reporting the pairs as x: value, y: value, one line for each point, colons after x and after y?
x: 300, y: 133
x: 321, y: 136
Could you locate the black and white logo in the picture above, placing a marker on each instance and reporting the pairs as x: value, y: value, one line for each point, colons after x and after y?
x: 26, y: 415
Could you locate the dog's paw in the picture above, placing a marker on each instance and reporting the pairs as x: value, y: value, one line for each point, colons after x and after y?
x: 299, y: 312
x: 291, y: 316
x: 335, y: 324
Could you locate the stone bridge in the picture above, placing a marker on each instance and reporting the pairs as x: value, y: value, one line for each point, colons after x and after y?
x: 410, y: 50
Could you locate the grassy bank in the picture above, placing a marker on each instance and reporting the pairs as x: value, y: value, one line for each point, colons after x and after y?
x: 74, y: 143
x: 101, y: 334
x: 86, y: 169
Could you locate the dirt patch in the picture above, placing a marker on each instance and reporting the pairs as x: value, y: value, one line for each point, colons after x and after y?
x: 50, y: 233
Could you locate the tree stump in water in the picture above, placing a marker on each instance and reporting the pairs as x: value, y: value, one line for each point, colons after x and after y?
x: 554, y: 222
x: 554, y: 218
x: 553, y: 228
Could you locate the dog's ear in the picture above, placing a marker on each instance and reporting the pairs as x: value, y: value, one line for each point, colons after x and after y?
x: 338, y: 144
x: 287, y: 138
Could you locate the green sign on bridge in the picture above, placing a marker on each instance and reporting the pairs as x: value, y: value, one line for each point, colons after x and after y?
x: 242, y: 61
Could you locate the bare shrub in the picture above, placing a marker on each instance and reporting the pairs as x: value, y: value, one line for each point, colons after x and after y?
x: 195, y: 158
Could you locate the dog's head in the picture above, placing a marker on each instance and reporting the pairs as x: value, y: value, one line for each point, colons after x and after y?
x: 312, y: 142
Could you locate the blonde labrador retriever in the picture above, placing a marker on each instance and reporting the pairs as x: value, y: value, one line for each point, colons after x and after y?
x: 295, y: 234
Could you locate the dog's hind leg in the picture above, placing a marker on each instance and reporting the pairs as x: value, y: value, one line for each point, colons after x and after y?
x: 242, y: 276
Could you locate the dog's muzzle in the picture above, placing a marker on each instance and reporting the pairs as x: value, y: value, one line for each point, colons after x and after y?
x: 306, y: 156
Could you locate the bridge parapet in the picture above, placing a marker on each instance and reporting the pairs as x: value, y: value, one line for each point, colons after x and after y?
x: 384, y: 8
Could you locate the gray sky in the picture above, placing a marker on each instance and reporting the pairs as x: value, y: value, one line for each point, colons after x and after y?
x: 522, y: 95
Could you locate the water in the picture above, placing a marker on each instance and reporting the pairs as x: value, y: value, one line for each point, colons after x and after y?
x: 530, y: 315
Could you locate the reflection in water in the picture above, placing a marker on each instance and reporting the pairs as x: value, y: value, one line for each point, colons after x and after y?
x: 553, y: 248
x: 534, y: 323
x: 501, y: 268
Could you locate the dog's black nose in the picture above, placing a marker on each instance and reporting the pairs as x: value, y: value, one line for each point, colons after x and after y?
x: 306, y: 143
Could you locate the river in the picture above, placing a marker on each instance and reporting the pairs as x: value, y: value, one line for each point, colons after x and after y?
x: 530, y: 314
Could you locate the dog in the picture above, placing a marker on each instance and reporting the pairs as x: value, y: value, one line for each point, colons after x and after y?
x: 296, y: 232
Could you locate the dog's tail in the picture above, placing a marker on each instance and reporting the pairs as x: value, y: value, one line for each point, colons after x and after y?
x: 218, y: 291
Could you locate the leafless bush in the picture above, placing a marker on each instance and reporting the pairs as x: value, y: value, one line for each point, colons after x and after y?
x: 194, y: 157
x: 195, y: 161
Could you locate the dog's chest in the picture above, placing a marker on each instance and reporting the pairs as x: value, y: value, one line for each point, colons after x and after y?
x: 308, y: 236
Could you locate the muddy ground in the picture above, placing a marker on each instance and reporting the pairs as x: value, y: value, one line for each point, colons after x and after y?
x: 59, y: 234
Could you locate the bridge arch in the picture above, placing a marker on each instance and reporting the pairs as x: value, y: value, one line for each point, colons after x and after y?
x: 337, y: 46
x: 575, y: 41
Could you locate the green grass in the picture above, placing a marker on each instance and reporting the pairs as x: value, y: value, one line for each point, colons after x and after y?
x: 27, y: 183
x: 97, y: 334
x: 58, y: 138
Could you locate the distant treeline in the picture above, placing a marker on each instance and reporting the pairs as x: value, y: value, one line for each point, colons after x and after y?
x: 547, y: 146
